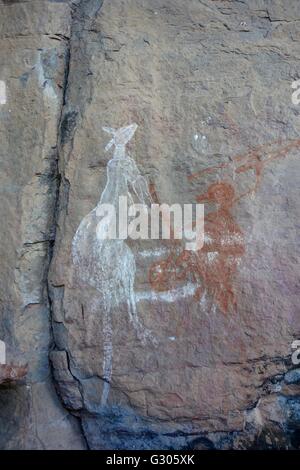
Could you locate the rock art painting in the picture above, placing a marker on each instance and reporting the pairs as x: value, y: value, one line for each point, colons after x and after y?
x: 213, y: 268
x: 108, y: 265
x: 2, y: 352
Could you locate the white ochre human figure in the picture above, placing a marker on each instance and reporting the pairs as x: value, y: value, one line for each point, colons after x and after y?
x: 108, y: 264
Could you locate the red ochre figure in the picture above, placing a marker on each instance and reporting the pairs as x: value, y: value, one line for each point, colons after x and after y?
x: 214, y: 266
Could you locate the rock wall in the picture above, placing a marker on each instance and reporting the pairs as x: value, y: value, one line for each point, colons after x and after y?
x: 34, y: 58
x: 199, y: 343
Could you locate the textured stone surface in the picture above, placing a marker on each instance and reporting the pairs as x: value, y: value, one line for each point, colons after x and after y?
x: 33, y: 58
x: 209, y: 85
x: 12, y: 373
x: 292, y: 377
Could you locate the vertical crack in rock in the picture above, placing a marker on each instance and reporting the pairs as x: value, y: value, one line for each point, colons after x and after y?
x: 83, y: 14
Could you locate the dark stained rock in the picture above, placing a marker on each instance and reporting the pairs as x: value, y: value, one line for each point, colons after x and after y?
x: 11, y: 373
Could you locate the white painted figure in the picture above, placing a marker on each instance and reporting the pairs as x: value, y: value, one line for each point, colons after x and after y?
x: 2, y: 352
x: 296, y: 94
x: 109, y: 265
x: 2, y: 92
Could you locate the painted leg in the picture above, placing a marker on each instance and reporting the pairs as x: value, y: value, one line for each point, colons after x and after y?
x: 107, y: 350
x: 142, y: 333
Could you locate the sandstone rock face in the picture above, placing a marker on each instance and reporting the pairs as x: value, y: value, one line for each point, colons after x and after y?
x: 33, y: 58
x: 151, y: 346
x: 11, y: 374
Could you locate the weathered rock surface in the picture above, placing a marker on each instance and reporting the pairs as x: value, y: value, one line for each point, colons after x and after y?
x: 33, y: 61
x: 209, y: 85
x: 11, y: 373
